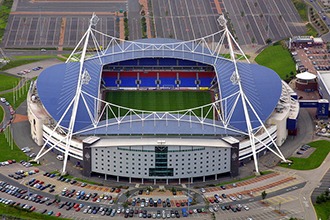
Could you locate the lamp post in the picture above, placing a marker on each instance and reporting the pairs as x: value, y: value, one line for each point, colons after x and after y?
x: 189, y: 172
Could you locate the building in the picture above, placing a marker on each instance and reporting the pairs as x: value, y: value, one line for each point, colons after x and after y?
x: 166, y: 146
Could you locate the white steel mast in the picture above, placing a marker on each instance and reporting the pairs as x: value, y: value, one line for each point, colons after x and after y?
x: 235, y: 78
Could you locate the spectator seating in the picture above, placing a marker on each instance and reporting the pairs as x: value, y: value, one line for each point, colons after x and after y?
x: 166, y: 78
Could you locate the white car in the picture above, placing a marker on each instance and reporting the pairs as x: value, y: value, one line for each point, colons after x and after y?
x: 246, y: 207
x: 203, y: 190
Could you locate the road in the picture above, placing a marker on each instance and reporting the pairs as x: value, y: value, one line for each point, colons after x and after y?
x: 318, y: 8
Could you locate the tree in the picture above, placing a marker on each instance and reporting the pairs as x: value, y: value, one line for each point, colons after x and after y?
x: 127, y: 194
x: 253, y: 40
x: 242, y: 13
x: 263, y: 195
x: 268, y: 41
x: 261, y: 15
x: 57, y: 198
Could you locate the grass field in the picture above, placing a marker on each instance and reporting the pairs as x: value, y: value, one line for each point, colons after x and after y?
x: 278, y: 59
x: 7, y: 82
x: 323, y: 210
x: 159, y: 100
x: 301, y: 8
x: 9, y: 212
x: 18, y: 99
x: 7, y: 153
x: 2, y: 114
x: 22, y: 60
x: 314, y: 160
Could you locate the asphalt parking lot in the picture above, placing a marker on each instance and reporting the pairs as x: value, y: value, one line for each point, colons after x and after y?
x: 274, y: 183
x: 58, y: 23
x: 185, y: 19
x: 255, y: 21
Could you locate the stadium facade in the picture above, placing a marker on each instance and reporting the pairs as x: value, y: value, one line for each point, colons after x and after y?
x: 247, y: 117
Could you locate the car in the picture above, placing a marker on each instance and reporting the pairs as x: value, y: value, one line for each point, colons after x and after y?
x: 43, y: 211
x: 50, y: 212
x: 300, y: 152
x: 58, y: 214
x: 246, y: 207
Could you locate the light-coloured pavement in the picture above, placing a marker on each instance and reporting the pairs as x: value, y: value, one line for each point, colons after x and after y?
x: 313, y: 178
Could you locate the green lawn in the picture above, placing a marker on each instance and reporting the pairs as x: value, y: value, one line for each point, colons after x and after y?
x: 314, y: 160
x: 7, y: 82
x: 22, y: 60
x: 5, y: 8
x: 278, y: 59
x: 311, y: 31
x: 7, y: 153
x: 302, y: 9
x: 1, y: 114
x: 18, y: 99
x: 323, y: 210
x: 10, y: 212
x: 159, y: 100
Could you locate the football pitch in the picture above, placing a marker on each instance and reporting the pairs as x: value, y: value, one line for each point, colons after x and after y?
x: 159, y: 100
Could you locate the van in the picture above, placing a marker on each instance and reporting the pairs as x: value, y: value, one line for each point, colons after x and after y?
x: 59, y: 157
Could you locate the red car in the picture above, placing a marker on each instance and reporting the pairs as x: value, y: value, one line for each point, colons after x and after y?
x: 76, y: 205
x: 117, y: 190
x: 178, y: 204
x: 211, y: 200
x: 58, y: 214
x: 77, y: 209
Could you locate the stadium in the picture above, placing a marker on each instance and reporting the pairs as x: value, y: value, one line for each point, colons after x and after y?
x: 160, y: 110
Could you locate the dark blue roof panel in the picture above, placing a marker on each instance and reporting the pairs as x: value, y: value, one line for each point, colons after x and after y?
x: 257, y: 81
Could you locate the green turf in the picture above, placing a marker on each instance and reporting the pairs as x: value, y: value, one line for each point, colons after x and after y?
x: 278, y: 59
x: 9, y: 212
x: 22, y: 60
x: 323, y: 210
x: 20, y: 95
x: 314, y: 160
x: 160, y: 100
x: 1, y: 114
x: 7, y: 153
x: 301, y: 8
x: 7, y: 82
x: 311, y: 31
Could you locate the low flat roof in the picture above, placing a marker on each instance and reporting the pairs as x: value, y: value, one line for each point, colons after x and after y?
x: 306, y: 76
x: 123, y: 142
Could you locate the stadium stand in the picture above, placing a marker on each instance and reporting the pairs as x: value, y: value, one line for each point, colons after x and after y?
x: 148, y: 79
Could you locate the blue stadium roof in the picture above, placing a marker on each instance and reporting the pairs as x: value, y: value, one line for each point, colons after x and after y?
x: 57, y: 84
